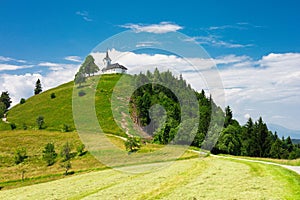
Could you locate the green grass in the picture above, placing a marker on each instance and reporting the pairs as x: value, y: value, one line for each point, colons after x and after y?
x: 58, y: 111
x: 204, y: 178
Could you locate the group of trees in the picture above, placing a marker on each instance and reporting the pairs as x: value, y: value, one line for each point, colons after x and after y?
x: 214, y: 125
x: 87, y: 68
x: 49, y: 155
x: 253, y: 139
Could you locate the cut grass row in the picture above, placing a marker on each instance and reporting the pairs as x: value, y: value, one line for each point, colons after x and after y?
x: 204, y: 178
x: 35, y: 167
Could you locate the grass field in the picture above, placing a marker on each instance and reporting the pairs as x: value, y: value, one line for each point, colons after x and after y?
x: 201, y: 178
x: 35, y: 167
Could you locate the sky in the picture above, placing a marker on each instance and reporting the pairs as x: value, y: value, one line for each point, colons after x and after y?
x: 254, y: 44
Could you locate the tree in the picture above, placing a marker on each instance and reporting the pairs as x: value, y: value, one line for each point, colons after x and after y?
x: 132, y: 144
x: 49, y: 154
x: 80, y: 149
x: 20, y: 155
x: 228, y: 116
x: 67, y: 165
x: 66, y: 151
x: 38, y: 87
x: 5, y: 99
x: 79, y: 78
x: 22, y: 101
x: 2, y: 109
x: 89, y: 67
x: 40, y: 122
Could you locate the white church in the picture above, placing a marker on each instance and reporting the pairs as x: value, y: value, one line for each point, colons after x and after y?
x: 114, y: 68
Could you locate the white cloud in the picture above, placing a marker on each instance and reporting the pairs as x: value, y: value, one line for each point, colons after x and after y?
x: 216, y: 41
x: 9, y: 67
x: 22, y: 86
x: 162, y: 27
x: 270, y: 85
x: 85, y: 15
x: 73, y: 59
x: 247, y: 116
x: 7, y: 59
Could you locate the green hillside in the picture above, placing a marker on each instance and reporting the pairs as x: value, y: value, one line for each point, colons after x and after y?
x: 57, y: 111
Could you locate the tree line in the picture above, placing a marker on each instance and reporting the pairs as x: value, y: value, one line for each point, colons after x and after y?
x: 215, y: 126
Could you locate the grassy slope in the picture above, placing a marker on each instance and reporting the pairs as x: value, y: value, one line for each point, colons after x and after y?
x: 35, y: 168
x: 58, y: 111
x: 206, y: 178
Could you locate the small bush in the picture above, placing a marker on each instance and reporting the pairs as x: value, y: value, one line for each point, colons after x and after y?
x: 49, y: 154
x: 81, y: 93
x: 20, y: 155
x: 53, y: 96
x: 24, y: 126
x: 133, y: 144
x: 13, y: 126
x: 66, y: 128
x: 22, y: 101
x: 40, y: 122
x: 80, y: 150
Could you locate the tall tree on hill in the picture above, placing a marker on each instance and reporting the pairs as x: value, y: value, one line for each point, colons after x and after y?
x: 38, y: 87
x: 88, y: 66
x: 228, y: 117
x: 4, y: 98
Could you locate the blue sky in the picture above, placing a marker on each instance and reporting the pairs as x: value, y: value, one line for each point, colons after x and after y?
x: 39, y: 38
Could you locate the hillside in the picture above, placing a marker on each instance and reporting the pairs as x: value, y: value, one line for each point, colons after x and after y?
x: 57, y: 111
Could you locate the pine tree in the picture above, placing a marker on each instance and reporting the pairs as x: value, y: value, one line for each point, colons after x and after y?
x: 38, y: 87
x: 5, y: 99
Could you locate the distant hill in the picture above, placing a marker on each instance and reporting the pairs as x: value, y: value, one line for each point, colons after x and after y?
x: 282, y: 131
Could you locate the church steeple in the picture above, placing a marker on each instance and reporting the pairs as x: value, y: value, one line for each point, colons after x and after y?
x: 106, y: 60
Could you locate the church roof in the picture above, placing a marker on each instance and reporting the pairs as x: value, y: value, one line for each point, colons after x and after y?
x: 114, y: 66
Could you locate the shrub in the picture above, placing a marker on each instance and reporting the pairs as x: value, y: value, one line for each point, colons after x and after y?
x: 81, y: 93
x: 22, y: 101
x: 132, y: 144
x: 24, y: 126
x: 80, y: 149
x: 49, y: 154
x: 13, y: 126
x: 66, y: 128
x: 40, y: 122
x: 20, y: 155
x: 53, y: 96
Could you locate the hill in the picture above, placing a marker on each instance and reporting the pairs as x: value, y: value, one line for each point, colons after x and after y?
x: 282, y: 131
x: 57, y: 112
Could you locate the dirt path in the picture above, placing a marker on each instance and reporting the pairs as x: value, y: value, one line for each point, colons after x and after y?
x: 292, y: 168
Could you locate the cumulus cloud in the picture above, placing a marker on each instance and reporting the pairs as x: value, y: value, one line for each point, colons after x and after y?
x: 162, y: 27
x: 22, y: 86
